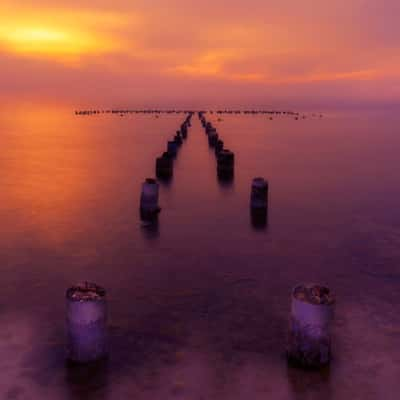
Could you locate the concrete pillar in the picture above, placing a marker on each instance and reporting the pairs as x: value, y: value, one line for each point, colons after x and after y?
x: 164, y: 166
x: 309, y: 343
x: 225, y: 164
x: 149, y: 207
x: 86, y: 323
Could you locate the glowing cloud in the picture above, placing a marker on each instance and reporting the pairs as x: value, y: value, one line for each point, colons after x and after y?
x: 62, y: 36
x: 46, y: 41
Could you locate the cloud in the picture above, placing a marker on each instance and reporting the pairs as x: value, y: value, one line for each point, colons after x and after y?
x: 105, y: 49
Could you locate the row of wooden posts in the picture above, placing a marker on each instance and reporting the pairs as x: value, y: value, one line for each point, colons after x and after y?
x: 149, y: 207
x: 226, y: 170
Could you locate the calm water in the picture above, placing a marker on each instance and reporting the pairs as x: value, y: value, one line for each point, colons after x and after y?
x: 198, y: 307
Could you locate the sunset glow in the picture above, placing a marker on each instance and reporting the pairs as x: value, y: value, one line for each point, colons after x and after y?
x: 247, y: 51
x: 199, y: 199
x: 46, y: 41
x: 62, y: 37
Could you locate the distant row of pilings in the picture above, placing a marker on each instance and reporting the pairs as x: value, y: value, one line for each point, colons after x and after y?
x: 164, y: 169
x: 309, y: 333
x: 123, y: 112
x: 157, y: 113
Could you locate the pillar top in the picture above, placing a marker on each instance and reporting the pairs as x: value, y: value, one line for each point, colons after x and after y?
x: 313, y: 293
x: 86, y: 291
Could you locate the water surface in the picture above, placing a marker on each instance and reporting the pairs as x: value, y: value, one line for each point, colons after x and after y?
x: 198, y: 305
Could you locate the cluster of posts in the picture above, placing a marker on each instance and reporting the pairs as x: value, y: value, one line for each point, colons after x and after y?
x: 312, y: 305
x: 149, y: 207
x: 309, y: 333
x: 225, y: 158
x: 225, y: 172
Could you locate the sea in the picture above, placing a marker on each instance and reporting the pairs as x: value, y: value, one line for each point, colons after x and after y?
x: 199, y: 302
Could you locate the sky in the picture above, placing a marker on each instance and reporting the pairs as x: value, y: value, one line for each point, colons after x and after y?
x: 252, y: 53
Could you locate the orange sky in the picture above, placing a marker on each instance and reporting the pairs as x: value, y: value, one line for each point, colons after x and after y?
x: 258, y: 52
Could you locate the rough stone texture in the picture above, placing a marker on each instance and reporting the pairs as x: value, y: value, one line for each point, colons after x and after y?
x: 85, y: 291
x: 86, y: 323
x: 259, y: 193
x: 308, y: 346
x: 309, y: 341
x: 314, y: 294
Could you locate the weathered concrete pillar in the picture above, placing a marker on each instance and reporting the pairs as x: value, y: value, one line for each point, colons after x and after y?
x: 164, y: 166
x: 172, y: 148
x: 309, y: 343
x: 259, y: 193
x: 225, y: 164
x: 178, y: 140
x: 212, y: 138
x: 259, y: 203
x: 86, y: 323
x: 149, y: 207
x: 183, y: 132
x: 219, y: 146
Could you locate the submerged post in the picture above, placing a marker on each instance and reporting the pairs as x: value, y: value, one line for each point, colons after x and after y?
x: 172, y: 148
x: 183, y: 131
x: 259, y: 193
x: 225, y: 164
x: 86, y: 323
x: 149, y: 208
x: 178, y: 139
x: 309, y: 343
x: 212, y: 138
x: 219, y: 146
x: 164, y: 166
x: 259, y: 202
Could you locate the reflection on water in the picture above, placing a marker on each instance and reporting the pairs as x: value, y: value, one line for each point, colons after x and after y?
x: 44, y: 173
x: 259, y: 218
x: 166, y: 182
x: 226, y: 181
x: 198, y: 302
x: 87, y: 381
x: 310, y: 383
x: 151, y: 229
